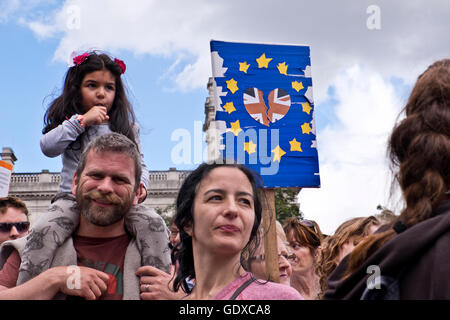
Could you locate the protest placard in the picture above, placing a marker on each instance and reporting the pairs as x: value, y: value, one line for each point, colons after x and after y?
x: 264, y: 111
x: 5, y: 177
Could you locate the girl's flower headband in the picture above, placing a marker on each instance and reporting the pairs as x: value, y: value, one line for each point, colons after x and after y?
x: 121, y: 64
x: 82, y: 57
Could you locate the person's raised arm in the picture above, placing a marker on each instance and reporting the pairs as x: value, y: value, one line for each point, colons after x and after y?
x: 56, y: 141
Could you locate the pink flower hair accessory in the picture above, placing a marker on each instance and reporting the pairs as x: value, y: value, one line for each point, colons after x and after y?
x: 121, y: 64
x: 80, y: 59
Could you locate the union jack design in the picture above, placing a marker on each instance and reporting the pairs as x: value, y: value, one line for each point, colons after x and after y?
x: 279, y: 104
x: 255, y: 105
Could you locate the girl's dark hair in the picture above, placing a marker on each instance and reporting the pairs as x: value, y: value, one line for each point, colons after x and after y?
x: 419, y: 149
x: 121, y: 115
x: 184, y: 217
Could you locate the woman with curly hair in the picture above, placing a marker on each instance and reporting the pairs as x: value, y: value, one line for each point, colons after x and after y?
x: 411, y: 257
x: 342, y: 242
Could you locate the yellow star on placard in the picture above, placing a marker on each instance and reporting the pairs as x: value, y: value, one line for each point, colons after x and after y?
x: 282, y: 67
x: 278, y: 153
x: 229, y: 107
x: 306, y: 128
x: 235, y: 127
x: 297, y: 85
x: 263, y: 62
x: 243, y: 66
x: 306, y: 107
x: 295, y: 145
x: 232, y: 85
x: 250, y: 147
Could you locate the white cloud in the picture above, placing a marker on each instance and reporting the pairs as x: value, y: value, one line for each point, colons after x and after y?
x: 41, y: 30
x: 352, y: 150
x: 7, y: 8
x: 12, y: 10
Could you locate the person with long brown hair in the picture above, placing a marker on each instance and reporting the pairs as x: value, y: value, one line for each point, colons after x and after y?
x: 304, y: 238
x: 410, y: 258
x: 335, y: 247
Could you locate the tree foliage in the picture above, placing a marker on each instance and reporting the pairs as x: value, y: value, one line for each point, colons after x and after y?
x: 286, y: 204
x: 166, y: 213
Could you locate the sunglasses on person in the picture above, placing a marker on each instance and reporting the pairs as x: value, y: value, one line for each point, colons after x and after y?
x: 307, y: 223
x: 20, y: 226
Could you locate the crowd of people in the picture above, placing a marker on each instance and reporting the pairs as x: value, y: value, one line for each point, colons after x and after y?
x: 98, y: 241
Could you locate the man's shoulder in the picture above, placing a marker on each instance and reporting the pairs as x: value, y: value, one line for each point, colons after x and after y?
x: 143, y: 209
x: 142, y: 213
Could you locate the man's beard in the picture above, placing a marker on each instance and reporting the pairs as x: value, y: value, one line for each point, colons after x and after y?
x: 102, y: 216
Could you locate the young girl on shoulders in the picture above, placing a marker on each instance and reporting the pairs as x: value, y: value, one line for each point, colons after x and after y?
x: 93, y: 103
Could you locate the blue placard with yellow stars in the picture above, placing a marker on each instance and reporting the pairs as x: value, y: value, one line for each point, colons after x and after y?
x: 264, y: 111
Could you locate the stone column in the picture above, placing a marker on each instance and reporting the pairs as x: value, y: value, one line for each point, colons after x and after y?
x: 8, y: 155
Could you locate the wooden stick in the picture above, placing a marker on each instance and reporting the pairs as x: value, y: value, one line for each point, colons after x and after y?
x: 270, y: 235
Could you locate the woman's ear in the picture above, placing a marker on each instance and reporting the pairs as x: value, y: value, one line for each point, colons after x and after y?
x: 188, y: 229
x: 317, y: 253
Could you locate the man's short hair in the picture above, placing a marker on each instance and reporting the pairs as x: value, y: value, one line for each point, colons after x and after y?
x: 113, y: 142
x: 12, y: 202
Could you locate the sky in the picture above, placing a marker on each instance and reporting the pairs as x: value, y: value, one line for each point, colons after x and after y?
x: 365, y: 58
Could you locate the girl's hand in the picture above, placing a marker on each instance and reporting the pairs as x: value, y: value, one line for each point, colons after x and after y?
x: 95, y: 115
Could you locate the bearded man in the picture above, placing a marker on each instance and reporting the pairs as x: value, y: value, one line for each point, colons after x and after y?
x: 101, y: 258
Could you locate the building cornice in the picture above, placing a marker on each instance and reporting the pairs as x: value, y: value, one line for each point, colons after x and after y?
x: 44, y: 185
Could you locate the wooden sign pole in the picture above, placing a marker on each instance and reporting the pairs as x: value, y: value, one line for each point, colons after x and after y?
x: 270, y: 235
